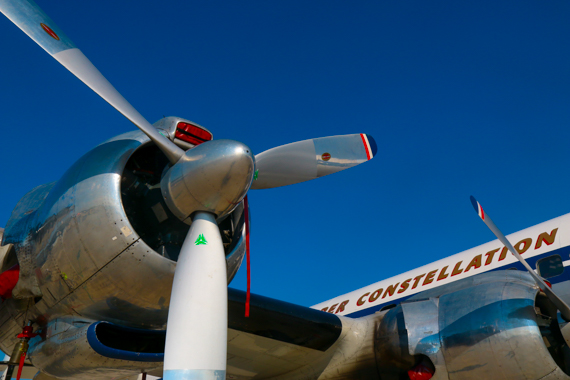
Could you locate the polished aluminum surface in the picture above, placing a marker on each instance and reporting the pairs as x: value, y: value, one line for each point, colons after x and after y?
x: 422, y: 325
x: 17, y: 232
x: 559, y: 302
x: 6, y: 255
x: 5, y: 252
x: 86, y: 257
x: 309, y: 159
x: 213, y: 177
x: 168, y: 125
x: 481, y: 327
x: 237, y: 250
x: 66, y: 353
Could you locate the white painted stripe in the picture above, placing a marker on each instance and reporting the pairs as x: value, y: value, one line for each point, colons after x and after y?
x: 562, y: 223
x: 566, y: 263
x: 368, y: 145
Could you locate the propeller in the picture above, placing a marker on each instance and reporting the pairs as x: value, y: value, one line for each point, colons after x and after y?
x: 309, y: 159
x: 209, y: 181
x: 557, y: 301
x: 39, y: 27
x: 196, y: 337
x: 203, y: 184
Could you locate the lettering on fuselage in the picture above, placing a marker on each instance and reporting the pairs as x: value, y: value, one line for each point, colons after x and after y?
x: 333, y: 309
x: 463, y: 266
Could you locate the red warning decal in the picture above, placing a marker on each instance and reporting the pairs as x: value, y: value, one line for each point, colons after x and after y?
x: 49, y: 31
x: 326, y: 156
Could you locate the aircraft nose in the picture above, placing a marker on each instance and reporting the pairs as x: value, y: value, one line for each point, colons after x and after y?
x: 213, y: 177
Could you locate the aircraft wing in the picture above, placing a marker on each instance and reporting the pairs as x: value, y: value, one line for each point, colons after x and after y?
x: 278, y: 337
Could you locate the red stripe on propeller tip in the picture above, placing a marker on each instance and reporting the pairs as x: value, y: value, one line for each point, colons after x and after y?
x: 365, y: 142
x: 477, y: 207
x: 246, y: 216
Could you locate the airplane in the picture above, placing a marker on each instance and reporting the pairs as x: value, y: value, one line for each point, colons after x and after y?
x: 303, y: 344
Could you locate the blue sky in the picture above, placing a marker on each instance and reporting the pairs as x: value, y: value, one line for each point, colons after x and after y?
x: 462, y: 98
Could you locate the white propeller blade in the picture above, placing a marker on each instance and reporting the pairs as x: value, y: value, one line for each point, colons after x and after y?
x: 36, y: 24
x: 309, y: 159
x: 197, y: 329
x: 557, y: 301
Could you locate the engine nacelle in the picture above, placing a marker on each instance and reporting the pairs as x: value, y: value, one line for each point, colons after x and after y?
x: 91, y: 349
x: 477, y: 328
x: 101, y: 242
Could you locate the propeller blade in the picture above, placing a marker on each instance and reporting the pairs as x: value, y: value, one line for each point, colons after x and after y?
x: 557, y: 301
x: 309, y: 159
x: 37, y: 25
x: 196, y: 334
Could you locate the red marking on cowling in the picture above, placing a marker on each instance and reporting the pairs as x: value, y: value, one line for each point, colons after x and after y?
x: 8, y: 280
x: 420, y: 372
x: 49, y: 31
x: 326, y: 156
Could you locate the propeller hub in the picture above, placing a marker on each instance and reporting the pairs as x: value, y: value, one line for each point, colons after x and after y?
x: 212, y: 177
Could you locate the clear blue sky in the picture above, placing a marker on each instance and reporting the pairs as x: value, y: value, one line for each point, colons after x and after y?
x: 462, y: 98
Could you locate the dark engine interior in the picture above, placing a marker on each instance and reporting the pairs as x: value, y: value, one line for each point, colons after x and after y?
x: 548, y: 323
x: 131, y: 340
x: 149, y: 214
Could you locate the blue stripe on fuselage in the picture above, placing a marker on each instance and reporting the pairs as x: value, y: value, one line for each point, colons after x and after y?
x: 564, y: 252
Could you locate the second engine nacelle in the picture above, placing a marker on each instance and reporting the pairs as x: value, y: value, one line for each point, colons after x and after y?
x: 493, y: 325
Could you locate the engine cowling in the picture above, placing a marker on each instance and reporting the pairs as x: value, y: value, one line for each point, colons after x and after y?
x: 101, y: 242
x: 495, y: 325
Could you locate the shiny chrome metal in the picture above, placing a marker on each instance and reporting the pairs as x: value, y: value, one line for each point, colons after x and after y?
x: 86, y: 257
x: 237, y: 248
x: 481, y: 327
x: 559, y: 302
x: 497, y: 322
x: 213, y: 177
x: 66, y: 353
x: 350, y: 357
x: 391, y: 345
x: 422, y: 325
x: 309, y: 159
x: 7, y: 254
x: 168, y: 125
